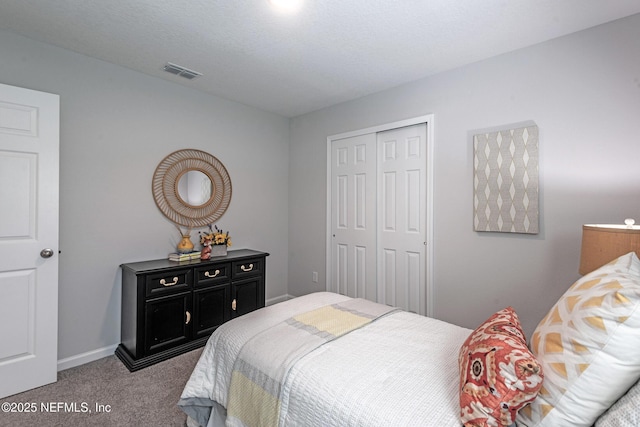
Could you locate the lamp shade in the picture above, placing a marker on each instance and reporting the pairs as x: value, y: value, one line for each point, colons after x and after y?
x: 604, y: 243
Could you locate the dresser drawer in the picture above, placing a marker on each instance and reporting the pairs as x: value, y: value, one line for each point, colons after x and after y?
x: 168, y: 282
x: 212, y: 274
x: 247, y: 268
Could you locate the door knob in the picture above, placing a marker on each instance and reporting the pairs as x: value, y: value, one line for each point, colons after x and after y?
x: 46, y: 253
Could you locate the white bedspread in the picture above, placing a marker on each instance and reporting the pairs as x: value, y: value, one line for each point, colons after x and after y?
x: 400, y: 370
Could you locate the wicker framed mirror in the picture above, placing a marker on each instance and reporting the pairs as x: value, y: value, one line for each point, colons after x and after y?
x: 191, y: 188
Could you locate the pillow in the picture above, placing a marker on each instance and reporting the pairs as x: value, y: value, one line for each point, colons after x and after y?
x: 588, y: 346
x: 625, y: 412
x: 498, y: 373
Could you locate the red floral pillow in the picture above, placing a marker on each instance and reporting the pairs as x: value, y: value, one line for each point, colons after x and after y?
x: 498, y: 373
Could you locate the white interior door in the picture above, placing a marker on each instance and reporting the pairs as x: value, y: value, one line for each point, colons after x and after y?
x: 402, y: 202
x: 29, y: 150
x: 353, y: 216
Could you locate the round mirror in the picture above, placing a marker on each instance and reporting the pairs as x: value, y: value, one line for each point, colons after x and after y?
x: 191, y: 188
x: 194, y: 188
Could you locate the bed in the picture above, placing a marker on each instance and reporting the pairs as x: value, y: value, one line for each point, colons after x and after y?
x: 368, y: 376
x: 393, y: 368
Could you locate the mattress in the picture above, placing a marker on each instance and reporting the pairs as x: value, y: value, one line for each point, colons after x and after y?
x: 399, y: 370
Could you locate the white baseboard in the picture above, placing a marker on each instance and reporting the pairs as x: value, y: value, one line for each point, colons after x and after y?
x: 276, y: 300
x: 90, y: 356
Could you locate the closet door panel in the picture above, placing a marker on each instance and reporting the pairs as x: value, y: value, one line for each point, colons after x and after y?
x: 353, y: 217
x: 402, y: 205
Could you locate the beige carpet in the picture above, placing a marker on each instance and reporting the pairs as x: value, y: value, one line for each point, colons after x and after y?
x: 146, y: 397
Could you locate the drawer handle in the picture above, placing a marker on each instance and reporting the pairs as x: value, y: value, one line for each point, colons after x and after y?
x: 243, y: 268
x: 207, y: 274
x: 233, y: 305
x: 188, y: 318
x: 164, y: 282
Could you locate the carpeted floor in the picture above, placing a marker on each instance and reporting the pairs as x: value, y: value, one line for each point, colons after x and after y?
x: 104, y: 393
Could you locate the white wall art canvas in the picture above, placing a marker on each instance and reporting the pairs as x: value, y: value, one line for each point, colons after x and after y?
x: 505, y: 180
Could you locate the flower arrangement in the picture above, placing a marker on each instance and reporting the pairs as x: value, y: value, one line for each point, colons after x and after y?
x: 215, y: 236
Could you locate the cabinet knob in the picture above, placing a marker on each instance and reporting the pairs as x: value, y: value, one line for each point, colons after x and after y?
x: 244, y: 268
x: 188, y: 318
x: 215, y: 273
x: 165, y: 283
x: 233, y: 305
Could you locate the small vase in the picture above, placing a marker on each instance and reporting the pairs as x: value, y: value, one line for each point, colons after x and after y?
x: 219, y: 250
x: 186, y: 245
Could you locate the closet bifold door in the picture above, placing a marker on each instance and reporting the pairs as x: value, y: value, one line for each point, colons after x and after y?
x: 402, y: 200
x: 378, y: 205
x: 353, y: 216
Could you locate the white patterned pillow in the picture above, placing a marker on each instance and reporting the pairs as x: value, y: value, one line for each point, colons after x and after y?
x: 625, y: 412
x: 589, y: 347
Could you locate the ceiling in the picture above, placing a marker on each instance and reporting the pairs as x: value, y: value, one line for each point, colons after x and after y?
x: 331, y: 51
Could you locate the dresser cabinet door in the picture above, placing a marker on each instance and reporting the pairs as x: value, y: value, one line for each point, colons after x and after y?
x: 167, y: 322
x: 247, y: 285
x: 247, y: 296
x: 211, y: 308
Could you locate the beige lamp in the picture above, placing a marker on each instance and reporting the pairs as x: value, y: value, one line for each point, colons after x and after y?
x: 602, y: 243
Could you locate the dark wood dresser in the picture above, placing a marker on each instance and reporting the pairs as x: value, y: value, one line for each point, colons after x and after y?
x: 169, y: 307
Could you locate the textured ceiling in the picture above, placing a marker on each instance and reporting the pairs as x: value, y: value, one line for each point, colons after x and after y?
x: 331, y: 51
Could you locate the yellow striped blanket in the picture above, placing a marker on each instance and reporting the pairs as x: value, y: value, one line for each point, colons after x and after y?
x: 264, y: 361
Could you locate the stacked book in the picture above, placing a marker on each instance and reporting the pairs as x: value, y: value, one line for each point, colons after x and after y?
x: 176, y: 256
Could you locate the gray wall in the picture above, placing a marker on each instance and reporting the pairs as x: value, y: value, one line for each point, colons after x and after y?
x: 583, y: 91
x: 116, y: 126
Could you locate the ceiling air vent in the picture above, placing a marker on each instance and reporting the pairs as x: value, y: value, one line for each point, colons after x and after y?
x: 181, y: 71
